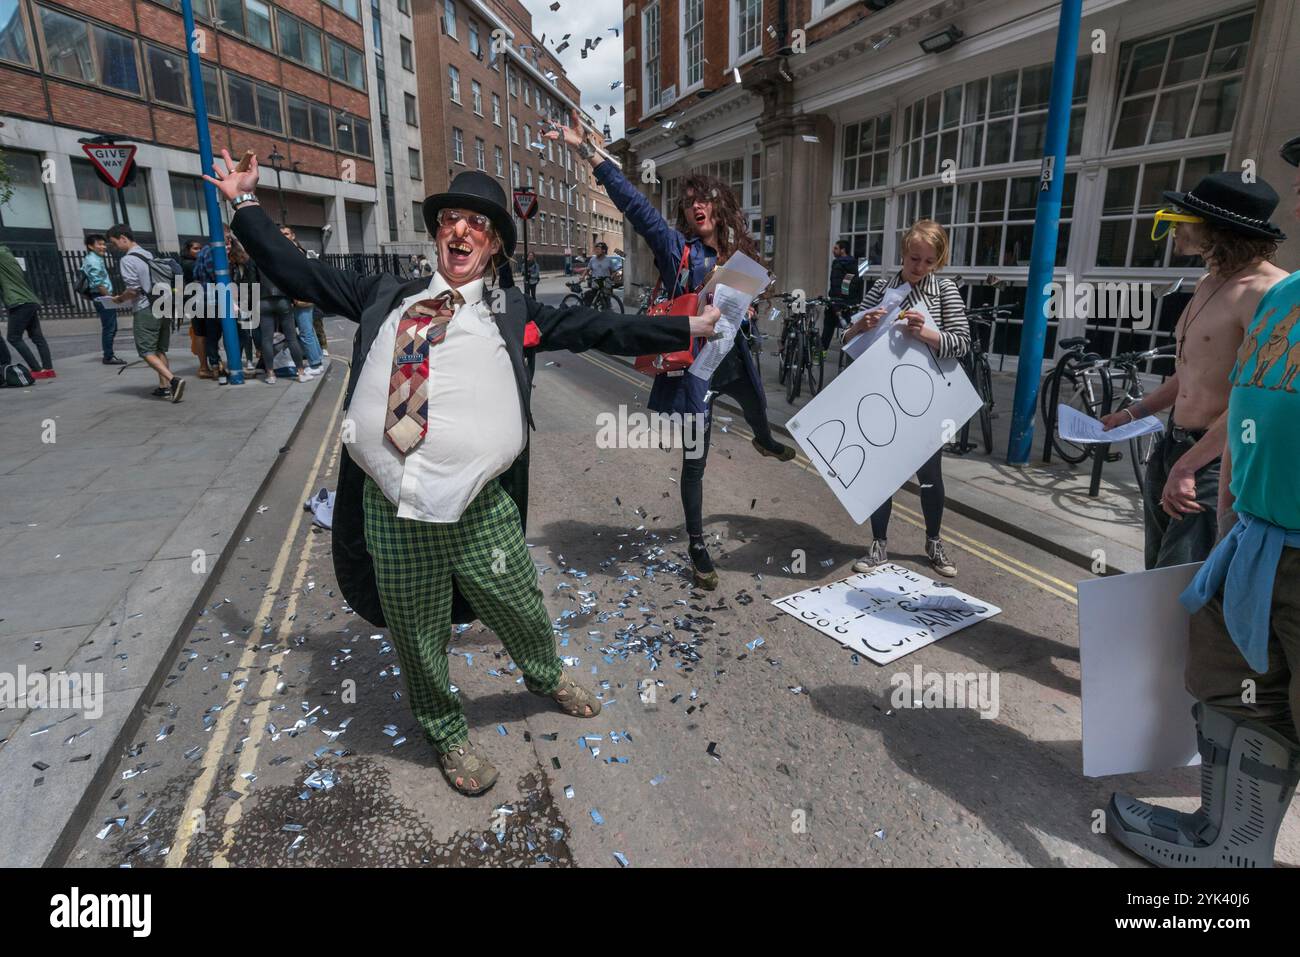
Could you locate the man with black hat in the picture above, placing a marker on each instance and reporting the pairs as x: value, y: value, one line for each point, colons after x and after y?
x: 1224, y: 220
x: 432, y: 496
x: 1243, y: 655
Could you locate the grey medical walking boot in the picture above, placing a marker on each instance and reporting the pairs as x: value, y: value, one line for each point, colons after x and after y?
x: 1248, y: 775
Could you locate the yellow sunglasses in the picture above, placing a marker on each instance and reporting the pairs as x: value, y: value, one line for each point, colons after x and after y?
x: 1160, y: 225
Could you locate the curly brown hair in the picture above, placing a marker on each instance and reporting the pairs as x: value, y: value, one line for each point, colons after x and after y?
x: 1229, y: 251
x: 731, y: 231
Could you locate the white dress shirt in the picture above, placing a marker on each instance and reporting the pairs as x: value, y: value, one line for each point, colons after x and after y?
x: 476, y: 421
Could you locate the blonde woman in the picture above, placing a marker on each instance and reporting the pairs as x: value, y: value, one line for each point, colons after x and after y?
x: 925, y: 252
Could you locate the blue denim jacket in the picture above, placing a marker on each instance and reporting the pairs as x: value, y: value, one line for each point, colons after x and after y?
x: 680, y: 393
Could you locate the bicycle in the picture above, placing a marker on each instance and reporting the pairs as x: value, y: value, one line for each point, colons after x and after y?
x: 599, y: 295
x: 1085, y: 380
x: 976, y: 364
x: 800, y: 337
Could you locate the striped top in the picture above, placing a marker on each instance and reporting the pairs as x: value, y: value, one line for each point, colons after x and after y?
x: 942, y: 300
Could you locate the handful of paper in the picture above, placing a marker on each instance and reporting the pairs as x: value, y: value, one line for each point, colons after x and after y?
x: 892, y: 304
x: 734, y: 287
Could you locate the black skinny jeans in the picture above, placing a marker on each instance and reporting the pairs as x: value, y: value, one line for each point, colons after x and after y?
x: 739, y: 387
x: 25, y: 318
x: 277, y: 313
x: 930, y: 477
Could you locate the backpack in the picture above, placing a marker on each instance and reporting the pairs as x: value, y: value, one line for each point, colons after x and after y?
x: 166, y: 272
x: 16, y: 376
x: 82, y: 286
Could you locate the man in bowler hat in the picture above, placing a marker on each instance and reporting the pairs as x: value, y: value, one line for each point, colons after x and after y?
x: 433, y: 483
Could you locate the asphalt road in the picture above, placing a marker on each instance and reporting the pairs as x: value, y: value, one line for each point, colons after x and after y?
x: 785, y: 753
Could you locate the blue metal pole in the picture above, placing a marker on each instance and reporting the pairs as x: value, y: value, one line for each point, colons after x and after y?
x: 216, y: 232
x: 1047, y: 221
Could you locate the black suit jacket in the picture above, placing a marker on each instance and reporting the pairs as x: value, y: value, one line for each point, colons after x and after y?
x: 367, y: 300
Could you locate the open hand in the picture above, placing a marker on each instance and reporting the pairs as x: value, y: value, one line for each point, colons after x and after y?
x: 702, y: 326
x: 230, y: 183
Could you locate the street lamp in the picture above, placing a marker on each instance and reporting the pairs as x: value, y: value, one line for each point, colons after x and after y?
x: 275, y: 160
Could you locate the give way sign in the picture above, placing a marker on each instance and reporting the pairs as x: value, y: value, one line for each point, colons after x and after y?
x: 113, y: 161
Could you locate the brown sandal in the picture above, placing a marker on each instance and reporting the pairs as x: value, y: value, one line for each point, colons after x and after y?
x: 467, y: 770
x: 574, y: 699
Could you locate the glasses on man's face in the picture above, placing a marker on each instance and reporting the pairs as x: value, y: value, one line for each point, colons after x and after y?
x: 1164, y: 217
x: 475, y: 221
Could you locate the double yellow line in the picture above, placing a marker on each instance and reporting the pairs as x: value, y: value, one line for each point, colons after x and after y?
x: 188, y: 826
x: 996, y: 557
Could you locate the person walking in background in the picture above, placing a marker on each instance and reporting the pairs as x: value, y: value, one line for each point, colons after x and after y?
x: 925, y: 252
x: 199, y: 325
x: 277, y: 315
x: 151, y: 331
x: 95, y: 267
x: 23, y: 308
x: 303, y: 316
x: 844, y: 293
x: 532, y: 276
x: 710, y: 228
x: 568, y: 260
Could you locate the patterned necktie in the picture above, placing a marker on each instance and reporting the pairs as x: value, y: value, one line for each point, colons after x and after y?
x: 408, y: 389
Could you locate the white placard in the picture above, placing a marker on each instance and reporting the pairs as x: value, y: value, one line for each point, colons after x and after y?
x: 881, y: 418
x: 1137, y: 715
x: 886, y: 613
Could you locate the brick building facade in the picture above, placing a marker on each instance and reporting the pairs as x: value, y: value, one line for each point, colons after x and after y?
x: 285, y: 78
x: 485, y: 89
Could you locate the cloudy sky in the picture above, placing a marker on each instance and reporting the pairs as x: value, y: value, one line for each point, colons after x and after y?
x: 604, y: 65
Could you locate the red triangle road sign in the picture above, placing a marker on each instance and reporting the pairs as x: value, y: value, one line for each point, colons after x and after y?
x: 111, y: 160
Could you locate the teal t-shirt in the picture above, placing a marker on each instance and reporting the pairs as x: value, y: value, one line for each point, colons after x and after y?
x: 1264, y: 410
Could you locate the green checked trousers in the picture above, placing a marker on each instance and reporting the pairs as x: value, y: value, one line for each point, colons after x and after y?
x: 485, y: 554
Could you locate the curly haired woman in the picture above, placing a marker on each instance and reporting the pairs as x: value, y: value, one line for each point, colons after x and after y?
x: 710, y: 228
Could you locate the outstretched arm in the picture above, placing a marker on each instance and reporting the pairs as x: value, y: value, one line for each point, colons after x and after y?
x: 664, y: 241
x: 311, y: 280
x: 579, y: 328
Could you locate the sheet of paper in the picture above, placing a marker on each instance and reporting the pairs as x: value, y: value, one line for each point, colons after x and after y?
x: 892, y: 304
x: 733, y: 304
x: 1137, y: 714
x: 886, y: 613
x: 1074, y: 426
x: 740, y: 273
x: 108, y: 303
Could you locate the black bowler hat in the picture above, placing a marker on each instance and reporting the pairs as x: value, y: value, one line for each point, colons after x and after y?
x: 478, y: 191
x: 1291, y: 151
x: 1225, y: 199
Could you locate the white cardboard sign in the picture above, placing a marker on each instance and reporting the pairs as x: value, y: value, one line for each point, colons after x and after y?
x: 882, y: 418
x: 886, y: 613
x: 1137, y: 715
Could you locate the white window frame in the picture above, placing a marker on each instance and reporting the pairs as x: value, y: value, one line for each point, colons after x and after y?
x: 449, y: 17
x: 653, y: 94
x: 496, y: 109
x: 499, y: 156
x: 480, y: 153
x: 458, y: 145
x: 476, y: 96
x: 453, y: 82
x: 733, y: 27
x: 683, y: 57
